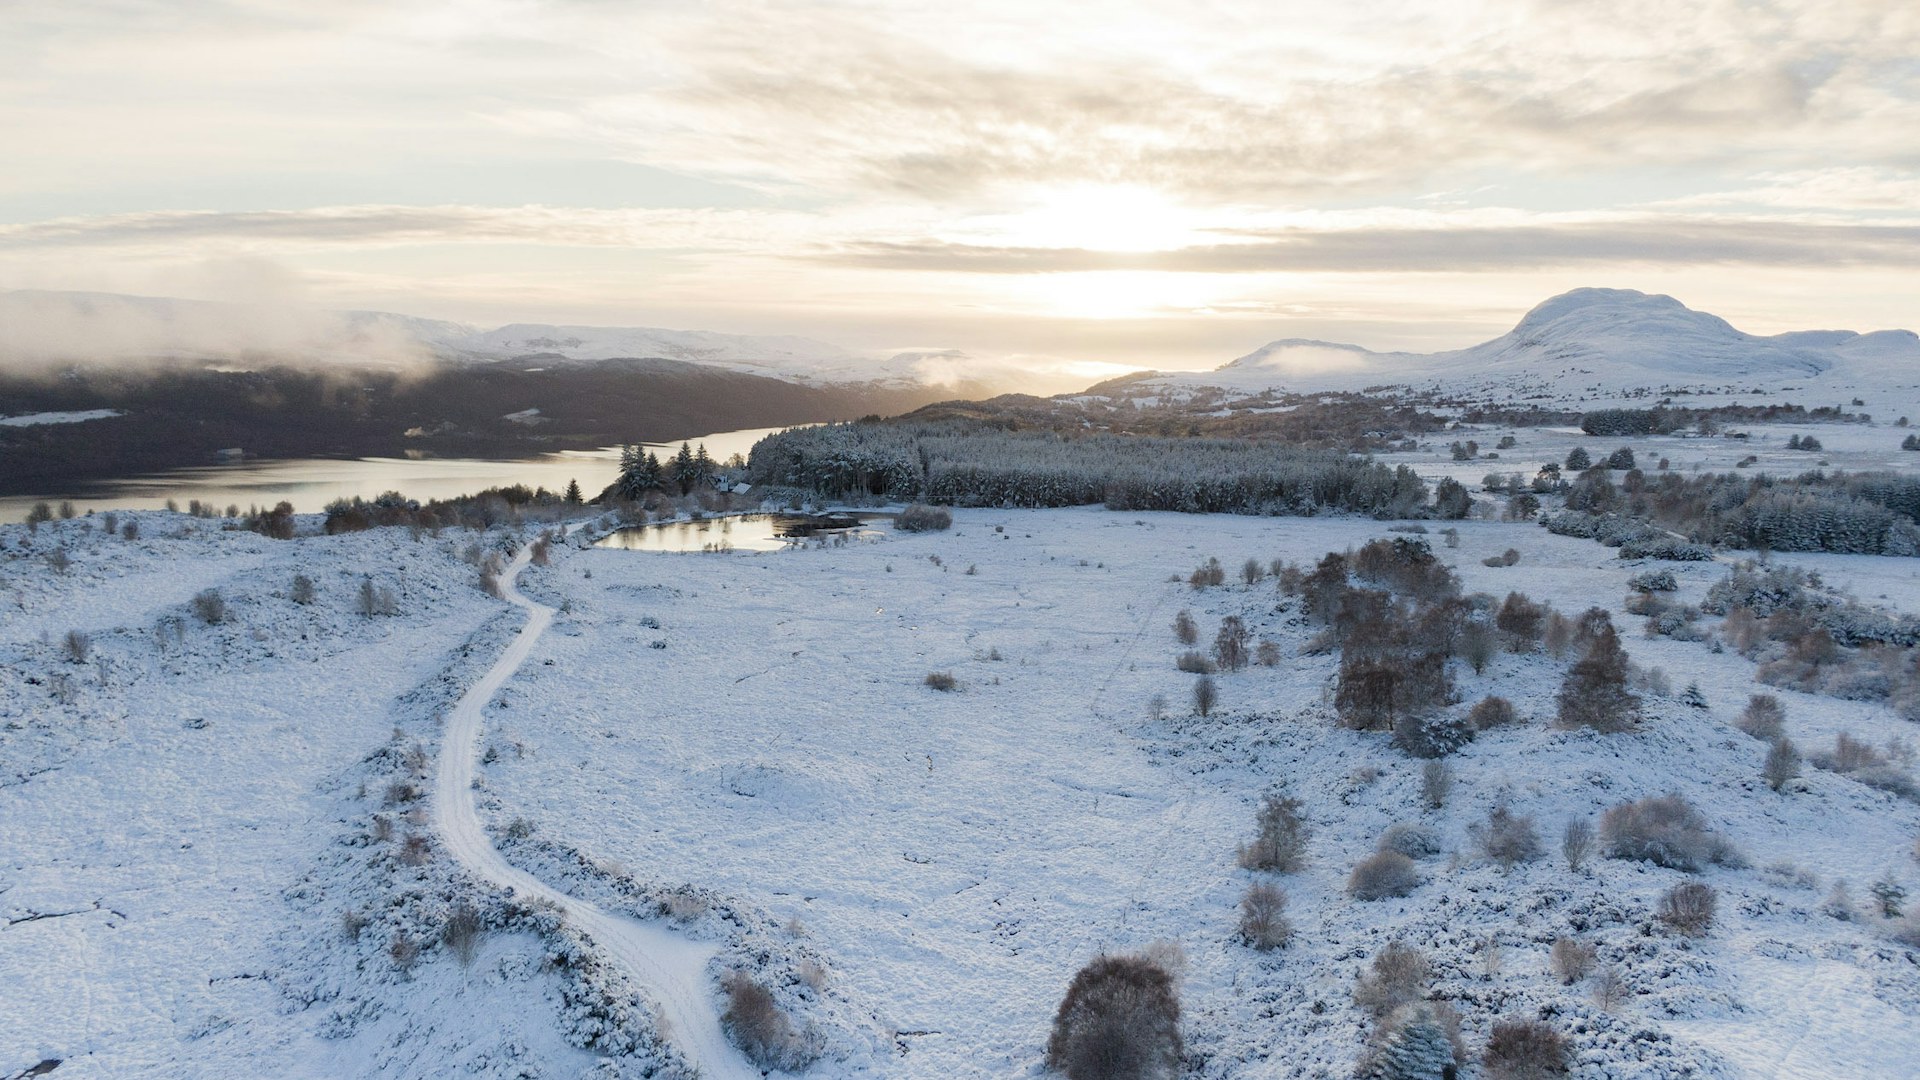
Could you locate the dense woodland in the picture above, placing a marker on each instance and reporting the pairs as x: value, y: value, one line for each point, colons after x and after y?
x: 973, y: 463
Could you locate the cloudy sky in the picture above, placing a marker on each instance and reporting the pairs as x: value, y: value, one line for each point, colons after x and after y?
x: 1128, y: 182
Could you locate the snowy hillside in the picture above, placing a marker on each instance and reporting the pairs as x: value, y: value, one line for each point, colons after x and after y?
x: 1595, y: 345
x: 227, y: 848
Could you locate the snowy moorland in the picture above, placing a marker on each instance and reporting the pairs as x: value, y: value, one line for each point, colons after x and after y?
x: 232, y: 838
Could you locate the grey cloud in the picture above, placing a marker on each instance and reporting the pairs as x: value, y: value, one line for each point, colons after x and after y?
x: 1437, y: 249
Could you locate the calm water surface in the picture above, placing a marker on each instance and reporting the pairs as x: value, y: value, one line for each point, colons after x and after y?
x: 311, y: 483
x: 744, y: 532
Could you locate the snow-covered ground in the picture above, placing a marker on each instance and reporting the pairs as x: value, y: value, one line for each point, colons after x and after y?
x: 75, y: 417
x: 180, y: 842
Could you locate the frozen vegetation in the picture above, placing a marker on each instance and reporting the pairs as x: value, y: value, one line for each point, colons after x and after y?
x: 1401, y: 829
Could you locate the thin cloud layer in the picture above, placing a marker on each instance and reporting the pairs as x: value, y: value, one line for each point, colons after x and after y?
x: 859, y: 171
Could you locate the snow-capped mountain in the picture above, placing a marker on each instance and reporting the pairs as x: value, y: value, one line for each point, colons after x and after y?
x: 1589, y: 344
x: 782, y: 355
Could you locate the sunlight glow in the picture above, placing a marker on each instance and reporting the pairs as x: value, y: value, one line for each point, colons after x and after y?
x: 1093, y: 218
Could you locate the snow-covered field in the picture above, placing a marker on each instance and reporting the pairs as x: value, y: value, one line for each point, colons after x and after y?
x: 186, y: 817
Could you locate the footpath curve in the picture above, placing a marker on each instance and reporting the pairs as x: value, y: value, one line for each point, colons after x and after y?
x: 670, y: 968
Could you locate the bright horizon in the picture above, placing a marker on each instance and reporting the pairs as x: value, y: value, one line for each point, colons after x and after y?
x: 1143, y: 184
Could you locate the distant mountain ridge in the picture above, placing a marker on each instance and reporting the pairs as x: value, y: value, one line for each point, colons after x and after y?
x: 1587, y: 343
x: 48, y: 326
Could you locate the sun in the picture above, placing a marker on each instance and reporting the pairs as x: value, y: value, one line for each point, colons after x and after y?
x: 1091, y: 217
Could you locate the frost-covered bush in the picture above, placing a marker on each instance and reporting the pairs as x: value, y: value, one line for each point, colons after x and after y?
x: 1665, y: 830
x: 1185, y: 630
x: 1491, y: 712
x: 1412, y: 840
x: 1194, y: 662
x: 920, y: 517
x: 1508, y: 838
x: 1782, y: 765
x: 302, y: 592
x: 1436, y: 781
x: 1477, y: 645
x: 1252, y: 571
x: 1206, y: 695
x: 1572, y: 959
x: 756, y: 1025
x: 1689, y: 907
x: 1576, y: 843
x: 1263, y: 917
x: 210, y: 607
x: 77, y: 646
x: 941, y: 680
x: 1280, y: 837
x: 461, y: 932
x: 1763, y: 718
x: 1431, y: 736
x: 1399, y: 974
x: 1208, y: 575
x: 1525, y: 1050
x: 1381, y: 875
x: 1119, y: 1020
x: 1653, y: 581
x: 1231, y: 645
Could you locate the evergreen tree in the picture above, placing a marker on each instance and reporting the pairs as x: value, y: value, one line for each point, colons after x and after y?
x: 1418, y: 1049
x: 685, y: 471
x: 573, y: 496
x: 1578, y: 459
x: 703, y: 467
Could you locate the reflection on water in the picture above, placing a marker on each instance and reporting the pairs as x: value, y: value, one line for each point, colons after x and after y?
x: 744, y: 532
x: 311, y: 483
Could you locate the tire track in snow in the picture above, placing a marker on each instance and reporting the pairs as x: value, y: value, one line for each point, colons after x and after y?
x: 669, y: 967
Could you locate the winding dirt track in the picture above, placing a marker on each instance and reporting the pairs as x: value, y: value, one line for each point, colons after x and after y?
x: 670, y: 968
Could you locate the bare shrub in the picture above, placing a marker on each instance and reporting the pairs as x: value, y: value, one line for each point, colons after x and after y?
x: 1251, y: 571
x: 1119, y: 1020
x: 1267, y: 654
x: 1263, y: 917
x: 1763, y: 718
x: 1688, y: 907
x: 416, y: 850
x: 1194, y: 662
x: 1491, y: 712
x: 130, y: 531
x: 1206, y: 695
x: 920, y: 517
x: 756, y: 1025
x: 1782, y: 765
x: 1207, y: 574
x: 1280, y: 835
x: 1477, y: 645
x: 1509, y: 838
x: 77, y: 646
x: 375, y: 600
x: 1509, y: 557
x: 1230, y: 645
x: 1185, y: 629
x: 1525, y: 1050
x: 1413, y: 841
x: 402, y: 950
x: 352, y: 923
x: 1381, y: 875
x: 1399, y: 975
x: 462, y: 932
x: 382, y: 830
x: 541, y: 554
x: 1436, y: 781
x: 1572, y: 960
x: 1609, y: 988
x: 1576, y: 843
x: 59, y: 560
x: 210, y: 607
x: 399, y: 792
x: 1664, y: 830
x: 302, y: 589
x: 1521, y: 621
x: 941, y: 680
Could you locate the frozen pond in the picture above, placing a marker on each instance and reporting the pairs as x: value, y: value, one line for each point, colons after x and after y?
x: 743, y: 532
